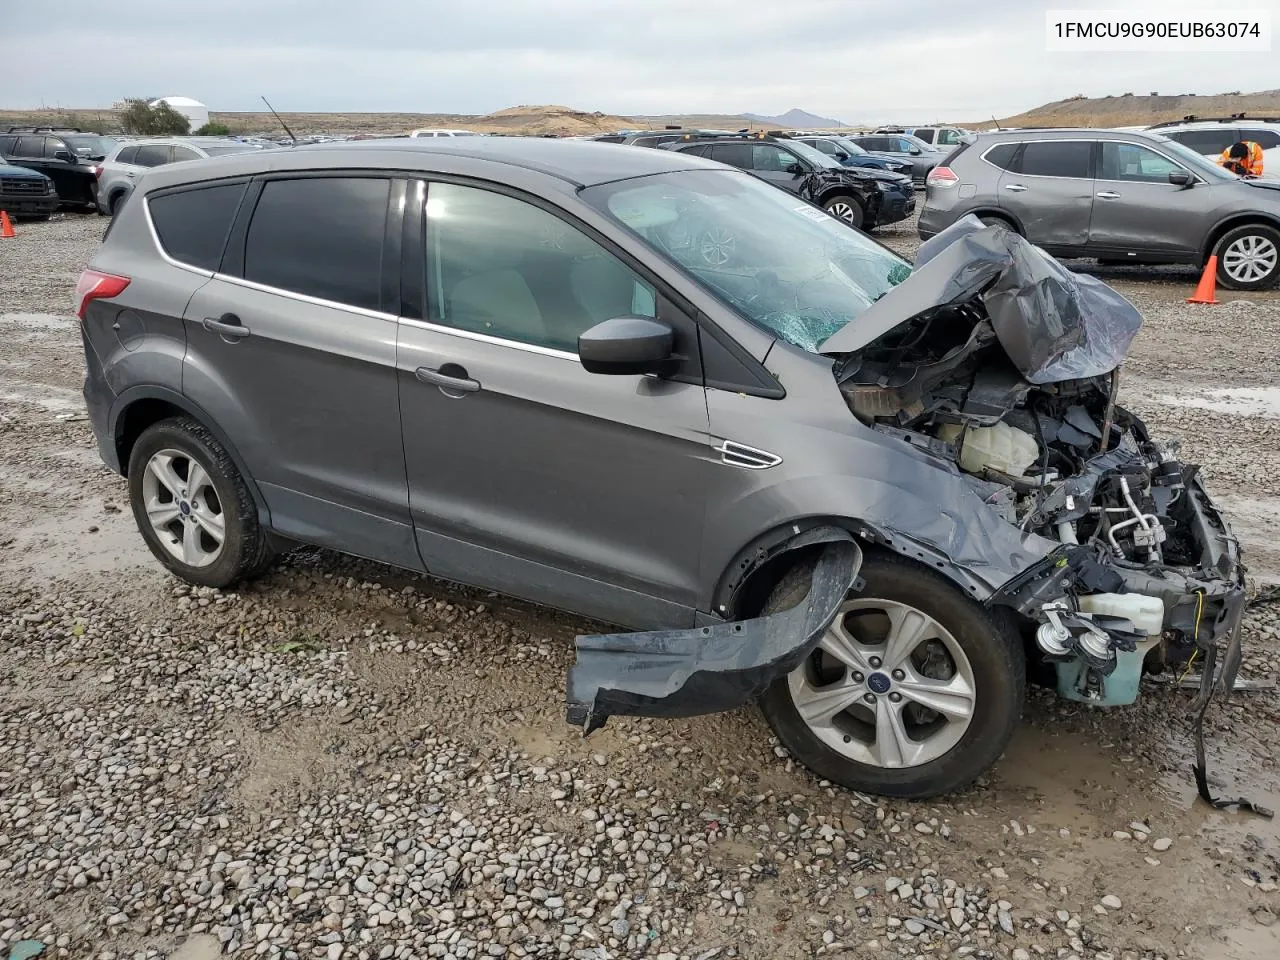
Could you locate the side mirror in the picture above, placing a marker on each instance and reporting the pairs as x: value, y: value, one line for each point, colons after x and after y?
x: 1180, y: 178
x: 795, y: 169
x: 64, y: 155
x: 841, y: 156
x: 916, y: 151
x: 626, y: 345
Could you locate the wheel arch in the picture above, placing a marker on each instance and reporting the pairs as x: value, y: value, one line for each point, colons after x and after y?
x: 745, y: 584
x: 1229, y: 223
x: 140, y: 407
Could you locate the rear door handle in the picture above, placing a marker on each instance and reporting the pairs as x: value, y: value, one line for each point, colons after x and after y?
x: 1107, y: 195
x: 450, y: 378
x: 1015, y: 187
x: 227, y: 326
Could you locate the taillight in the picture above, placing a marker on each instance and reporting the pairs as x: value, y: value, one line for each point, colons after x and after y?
x: 97, y: 171
x: 941, y: 177
x: 93, y: 285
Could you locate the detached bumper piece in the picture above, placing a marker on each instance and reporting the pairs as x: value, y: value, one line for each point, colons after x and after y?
x: 685, y: 673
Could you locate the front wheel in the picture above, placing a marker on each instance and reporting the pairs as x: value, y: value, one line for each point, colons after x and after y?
x: 192, y: 506
x: 847, y: 209
x: 913, y: 692
x: 1249, y: 257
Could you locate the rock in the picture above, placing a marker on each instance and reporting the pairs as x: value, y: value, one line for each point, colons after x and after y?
x: 957, y: 917
x: 1020, y: 954
x: 913, y: 927
x: 334, y: 951
x: 1111, y: 902
x: 1162, y: 844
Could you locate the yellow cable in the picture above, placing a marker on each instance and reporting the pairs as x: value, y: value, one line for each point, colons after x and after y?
x: 1195, y: 636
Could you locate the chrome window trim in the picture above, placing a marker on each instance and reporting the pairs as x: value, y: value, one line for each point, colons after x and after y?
x: 304, y: 297
x: 1042, y: 176
x: 487, y: 338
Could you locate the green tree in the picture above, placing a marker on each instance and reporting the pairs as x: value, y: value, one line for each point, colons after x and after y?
x: 214, y: 129
x: 141, y: 119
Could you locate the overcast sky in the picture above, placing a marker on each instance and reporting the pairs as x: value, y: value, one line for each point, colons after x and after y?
x: 856, y: 60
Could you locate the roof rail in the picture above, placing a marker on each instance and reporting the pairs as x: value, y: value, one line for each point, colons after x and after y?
x: 45, y: 130
x: 1192, y: 118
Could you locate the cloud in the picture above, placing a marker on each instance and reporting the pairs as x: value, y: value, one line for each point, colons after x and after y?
x: 860, y: 60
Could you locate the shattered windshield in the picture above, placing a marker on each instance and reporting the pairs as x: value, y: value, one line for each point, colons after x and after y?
x: 781, y: 263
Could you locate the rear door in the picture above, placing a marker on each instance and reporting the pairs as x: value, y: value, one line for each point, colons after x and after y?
x: 291, y: 348
x: 1136, y: 209
x: 1049, y: 191
x: 527, y: 474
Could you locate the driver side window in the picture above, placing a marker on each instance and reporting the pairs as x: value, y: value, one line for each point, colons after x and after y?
x: 1134, y: 163
x: 770, y: 159
x: 503, y: 267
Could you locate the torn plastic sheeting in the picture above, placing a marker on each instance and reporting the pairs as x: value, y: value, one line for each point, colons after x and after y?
x: 677, y: 673
x: 1054, y: 324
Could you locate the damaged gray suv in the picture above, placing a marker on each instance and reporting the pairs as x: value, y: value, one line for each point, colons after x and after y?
x: 652, y: 390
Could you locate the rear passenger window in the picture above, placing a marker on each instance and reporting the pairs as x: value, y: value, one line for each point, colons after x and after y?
x: 193, y: 225
x: 1266, y: 139
x: 127, y: 155
x: 184, y: 153
x: 734, y: 154
x: 1205, y: 142
x: 152, y: 155
x: 1057, y: 158
x: 321, y: 237
x: 1001, y: 155
x: 29, y: 147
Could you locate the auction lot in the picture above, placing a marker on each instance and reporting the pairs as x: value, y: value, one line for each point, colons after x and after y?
x: 347, y: 761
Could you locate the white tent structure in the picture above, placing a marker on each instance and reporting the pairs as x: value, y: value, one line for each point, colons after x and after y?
x: 193, y: 110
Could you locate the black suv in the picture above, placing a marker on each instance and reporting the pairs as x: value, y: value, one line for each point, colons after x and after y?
x: 860, y: 197
x: 69, y: 157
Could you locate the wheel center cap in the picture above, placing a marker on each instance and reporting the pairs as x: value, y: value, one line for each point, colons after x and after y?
x: 184, y: 507
x: 878, y: 683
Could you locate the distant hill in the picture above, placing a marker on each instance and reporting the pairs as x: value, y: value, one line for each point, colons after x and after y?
x: 1128, y: 110
x: 796, y: 118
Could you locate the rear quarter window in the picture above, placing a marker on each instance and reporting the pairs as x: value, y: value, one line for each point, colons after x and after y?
x: 1266, y: 139
x: 1001, y: 155
x: 127, y: 155
x: 1206, y: 142
x: 193, y: 224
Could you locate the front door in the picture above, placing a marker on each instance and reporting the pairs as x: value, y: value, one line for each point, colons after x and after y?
x: 766, y: 160
x: 1136, y: 209
x: 1049, y: 189
x: 291, y: 349
x: 527, y: 474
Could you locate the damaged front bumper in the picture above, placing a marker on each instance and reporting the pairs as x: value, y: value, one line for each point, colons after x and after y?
x: 681, y: 673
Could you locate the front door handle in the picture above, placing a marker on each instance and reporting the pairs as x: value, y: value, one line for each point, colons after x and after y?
x: 227, y: 326
x: 450, y: 378
x: 1015, y: 187
x: 1107, y: 195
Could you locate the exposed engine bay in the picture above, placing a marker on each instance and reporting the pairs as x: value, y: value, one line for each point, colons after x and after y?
x: 1144, y: 567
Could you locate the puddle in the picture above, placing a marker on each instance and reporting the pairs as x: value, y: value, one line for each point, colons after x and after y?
x: 61, y: 546
x: 1244, y: 401
x: 37, y: 321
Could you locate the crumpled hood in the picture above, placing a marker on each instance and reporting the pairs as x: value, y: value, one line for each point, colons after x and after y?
x: 1055, y: 325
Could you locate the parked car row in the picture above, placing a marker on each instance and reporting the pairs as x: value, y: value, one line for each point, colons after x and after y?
x: 69, y: 157
x: 1210, y: 136
x: 1123, y: 197
x: 118, y: 173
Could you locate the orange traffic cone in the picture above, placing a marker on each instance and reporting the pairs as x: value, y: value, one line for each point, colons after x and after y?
x: 6, y: 228
x: 1208, y: 283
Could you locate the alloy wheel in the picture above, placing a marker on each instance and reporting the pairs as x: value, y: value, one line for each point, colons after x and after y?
x: 1250, y: 258
x: 717, y: 246
x: 887, y: 686
x: 842, y: 210
x: 183, y: 508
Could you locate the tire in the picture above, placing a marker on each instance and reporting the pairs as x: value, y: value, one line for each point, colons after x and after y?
x: 1249, y: 257
x: 995, y: 220
x: 115, y: 203
x: 835, y: 749
x: 187, y: 544
x: 846, y: 210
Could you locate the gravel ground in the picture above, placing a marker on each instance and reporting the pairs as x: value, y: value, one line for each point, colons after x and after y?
x: 346, y: 761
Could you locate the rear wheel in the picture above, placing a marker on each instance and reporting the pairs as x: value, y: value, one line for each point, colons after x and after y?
x: 192, y: 506
x: 996, y: 220
x: 847, y: 209
x: 1249, y: 257
x: 913, y: 692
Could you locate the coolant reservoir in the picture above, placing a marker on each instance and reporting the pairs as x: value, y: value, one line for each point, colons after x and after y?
x: 1146, y: 613
x: 1001, y: 447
